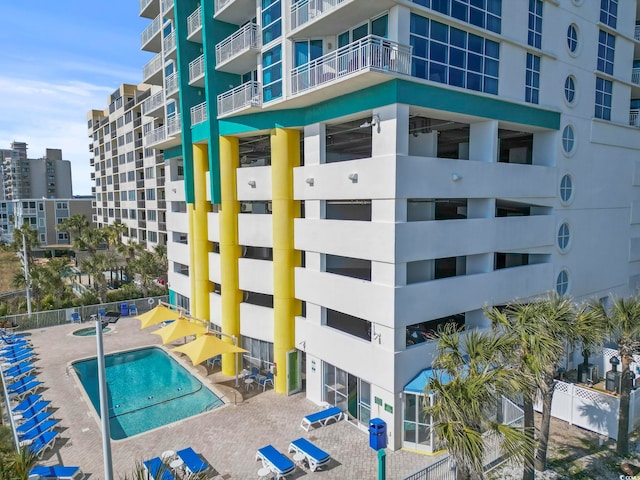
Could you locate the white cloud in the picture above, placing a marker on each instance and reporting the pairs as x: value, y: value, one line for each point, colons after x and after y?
x: 52, y: 115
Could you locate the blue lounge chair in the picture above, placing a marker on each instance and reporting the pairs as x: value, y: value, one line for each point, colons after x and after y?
x: 315, y: 457
x: 57, y: 472
x: 133, y: 310
x: 76, y: 318
x: 11, y: 352
x: 323, y: 417
x: 30, y: 436
x: 18, y: 371
x: 275, y: 461
x: 17, y: 368
x: 157, y: 470
x: 43, y: 442
x: 33, y: 410
x: 263, y: 381
x: 24, y: 390
x: 192, y: 462
x: 26, y: 403
x: 22, y: 357
x: 33, y: 423
x: 19, y: 383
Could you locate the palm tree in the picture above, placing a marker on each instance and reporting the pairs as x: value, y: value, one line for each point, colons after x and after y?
x: 90, y: 240
x: 53, y: 278
x: 18, y: 465
x: 469, y: 384
x: 74, y: 225
x: 115, y: 232
x: 95, y: 266
x: 622, y: 324
x: 541, y: 331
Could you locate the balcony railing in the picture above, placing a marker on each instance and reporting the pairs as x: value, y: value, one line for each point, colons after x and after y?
x: 634, y: 118
x: 174, y: 126
x: 635, y: 76
x: 169, y: 42
x: 306, y: 10
x: 196, y: 69
x: 152, y: 103
x: 154, y: 66
x: 247, y: 94
x: 244, y: 39
x: 371, y: 52
x: 220, y: 4
x: 636, y: 33
x: 194, y: 22
x: 144, y: 4
x: 171, y: 84
x: 155, y: 136
x: 166, y: 5
x: 199, y: 113
x: 151, y: 30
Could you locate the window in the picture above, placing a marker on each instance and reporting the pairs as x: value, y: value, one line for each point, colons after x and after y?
x: 535, y: 23
x: 532, y: 87
x: 151, y: 215
x: 271, y: 20
x: 272, y: 73
x: 566, y: 189
x: 449, y: 55
x: 481, y: 13
x: 563, y: 237
x: 150, y: 194
x: 347, y: 392
x: 572, y: 38
x: 149, y: 172
x: 603, y: 98
x: 562, y: 283
x: 609, y: 12
x: 346, y: 323
x: 570, y: 89
x: 568, y: 139
x: 606, y: 49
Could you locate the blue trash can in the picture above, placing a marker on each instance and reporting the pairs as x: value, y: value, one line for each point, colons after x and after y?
x: 124, y: 309
x: 377, y: 434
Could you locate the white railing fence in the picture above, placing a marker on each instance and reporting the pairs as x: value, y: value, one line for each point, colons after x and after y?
x: 199, y: 113
x: 196, y: 68
x: 244, y: 39
x: 194, y: 21
x: 245, y: 95
x: 306, y: 10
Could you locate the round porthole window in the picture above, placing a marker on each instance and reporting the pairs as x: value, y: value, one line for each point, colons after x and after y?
x: 566, y: 189
x: 572, y: 39
x: 570, y: 89
x: 562, y: 283
x: 568, y: 140
x: 563, y: 237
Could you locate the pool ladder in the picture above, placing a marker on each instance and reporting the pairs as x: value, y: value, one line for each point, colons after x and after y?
x: 235, y: 400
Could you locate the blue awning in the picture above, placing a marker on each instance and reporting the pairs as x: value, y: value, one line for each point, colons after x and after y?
x: 419, y: 382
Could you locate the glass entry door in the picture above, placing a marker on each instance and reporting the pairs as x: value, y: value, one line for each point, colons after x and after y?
x: 294, y: 380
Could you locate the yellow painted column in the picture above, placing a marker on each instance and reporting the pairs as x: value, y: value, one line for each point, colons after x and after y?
x: 199, y: 232
x: 192, y: 260
x: 285, y: 155
x: 229, y: 248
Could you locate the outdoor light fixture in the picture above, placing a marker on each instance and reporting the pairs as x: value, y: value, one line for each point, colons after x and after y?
x: 455, y: 177
x: 252, y: 183
x: 309, y: 181
x: 353, y: 177
x: 374, y: 122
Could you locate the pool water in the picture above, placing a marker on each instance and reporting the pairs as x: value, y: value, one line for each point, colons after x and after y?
x: 89, y: 332
x: 146, y: 389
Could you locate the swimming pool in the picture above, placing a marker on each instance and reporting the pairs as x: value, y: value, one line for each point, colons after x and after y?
x: 146, y: 389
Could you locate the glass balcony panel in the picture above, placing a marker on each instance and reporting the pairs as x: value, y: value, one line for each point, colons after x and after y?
x: 246, y: 95
x: 199, y: 113
x: 246, y: 38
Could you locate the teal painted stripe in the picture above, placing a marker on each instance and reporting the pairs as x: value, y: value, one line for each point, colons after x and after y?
x: 395, y: 91
x: 173, y: 152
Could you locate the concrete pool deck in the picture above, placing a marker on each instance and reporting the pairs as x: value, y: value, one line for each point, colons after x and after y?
x: 227, y: 437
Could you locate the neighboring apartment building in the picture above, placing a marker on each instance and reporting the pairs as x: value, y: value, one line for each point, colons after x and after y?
x: 44, y: 215
x: 129, y: 178
x: 345, y: 176
x: 46, y: 177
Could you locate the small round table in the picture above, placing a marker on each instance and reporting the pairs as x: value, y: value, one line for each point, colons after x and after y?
x: 263, y: 473
x: 298, y: 458
x: 168, y: 455
x: 176, y: 464
x: 248, y: 383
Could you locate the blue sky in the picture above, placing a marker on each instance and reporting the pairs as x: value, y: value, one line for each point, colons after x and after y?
x: 61, y: 59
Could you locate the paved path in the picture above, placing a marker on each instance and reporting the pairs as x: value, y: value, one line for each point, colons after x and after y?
x: 227, y: 437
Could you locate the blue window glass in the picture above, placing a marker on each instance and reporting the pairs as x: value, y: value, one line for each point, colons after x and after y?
x: 566, y: 188
x: 570, y: 89
x: 532, y: 79
x: 562, y: 283
x: 271, y: 20
x: 572, y: 38
x: 609, y: 12
x: 606, y: 50
x: 603, y: 98
x: 568, y: 139
x: 379, y: 26
x: 481, y: 13
x: 272, y: 74
x: 534, y: 37
x: 449, y: 55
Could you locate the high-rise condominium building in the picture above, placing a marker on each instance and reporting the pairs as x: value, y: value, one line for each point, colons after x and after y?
x: 345, y: 176
x: 129, y: 178
x: 22, y: 177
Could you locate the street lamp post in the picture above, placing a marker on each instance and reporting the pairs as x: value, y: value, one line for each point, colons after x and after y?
x: 27, y: 277
x: 102, y: 387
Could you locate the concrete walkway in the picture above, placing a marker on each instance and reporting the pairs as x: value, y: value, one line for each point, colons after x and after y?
x: 227, y: 437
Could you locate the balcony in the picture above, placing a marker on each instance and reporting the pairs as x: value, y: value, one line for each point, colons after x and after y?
x: 196, y: 72
x: 149, y: 8
x: 152, y: 104
x: 171, y: 85
x: 152, y: 71
x: 169, y: 44
x: 150, y: 38
x: 371, y: 53
x: 237, y: 53
x: 154, y: 137
x: 245, y: 96
x: 174, y: 126
x: 325, y: 17
x: 199, y: 113
x: 194, y: 26
x: 167, y: 8
x: 237, y: 12
x: 634, y: 118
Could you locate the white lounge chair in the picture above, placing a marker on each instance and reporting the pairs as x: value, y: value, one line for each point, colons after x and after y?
x: 315, y: 456
x: 322, y: 417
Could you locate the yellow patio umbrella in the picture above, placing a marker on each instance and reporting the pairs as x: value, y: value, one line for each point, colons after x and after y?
x: 206, y: 347
x: 178, y: 329
x: 157, y: 315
